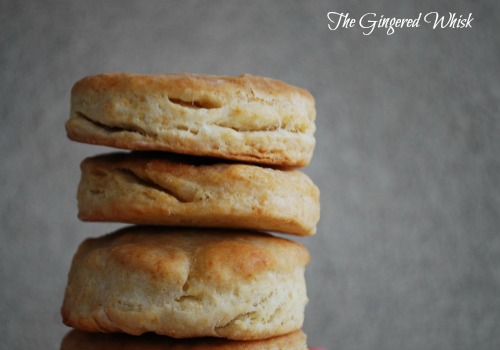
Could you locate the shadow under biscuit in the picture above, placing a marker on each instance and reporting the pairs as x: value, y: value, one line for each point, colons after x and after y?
x: 80, y: 340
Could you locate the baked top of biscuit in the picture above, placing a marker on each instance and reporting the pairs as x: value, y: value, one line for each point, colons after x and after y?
x: 187, y: 283
x: 165, y: 189
x: 176, y: 255
x: 245, y: 118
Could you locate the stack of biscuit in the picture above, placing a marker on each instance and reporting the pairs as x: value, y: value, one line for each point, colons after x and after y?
x: 210, y: 172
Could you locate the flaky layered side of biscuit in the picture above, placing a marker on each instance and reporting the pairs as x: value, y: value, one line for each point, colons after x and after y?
x: 155, y: 189
x: 245, y: 118
x: 187, y: 283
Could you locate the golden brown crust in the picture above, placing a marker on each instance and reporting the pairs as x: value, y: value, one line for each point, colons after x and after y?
x: 78, y: 340
x: 186, y: 84
x: 187, y: 283
x: 156, y: 189
x: 245, y: 118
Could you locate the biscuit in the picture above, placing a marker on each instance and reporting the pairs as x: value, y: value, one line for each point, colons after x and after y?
x: 245, y: 118
x: 156, y: 189
x: 78, y: 340
x: 187, y: 283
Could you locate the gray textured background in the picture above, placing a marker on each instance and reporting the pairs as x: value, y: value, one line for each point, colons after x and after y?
x: 407, y: 254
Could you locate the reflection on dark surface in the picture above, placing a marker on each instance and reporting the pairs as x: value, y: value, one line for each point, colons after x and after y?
x: 79, y: 340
